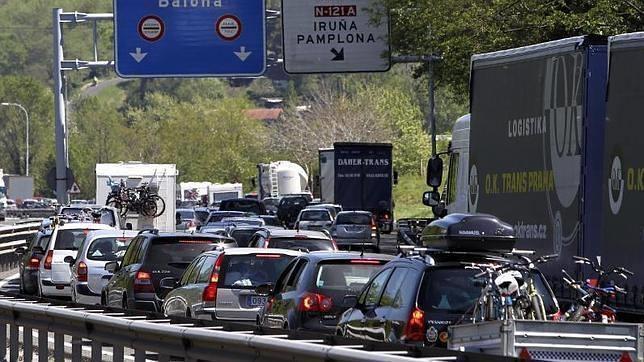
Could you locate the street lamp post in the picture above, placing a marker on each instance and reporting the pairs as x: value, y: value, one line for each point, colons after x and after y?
x: 27, y: 140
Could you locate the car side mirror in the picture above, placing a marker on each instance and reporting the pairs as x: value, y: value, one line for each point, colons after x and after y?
x: 350, y: 301
x: 20, y: 251
x: 112, y: 267
x: 434, y: 171
x: 168, y: 283
x: 69, y: 260
x: 431, y: 198
x: 264, y: 289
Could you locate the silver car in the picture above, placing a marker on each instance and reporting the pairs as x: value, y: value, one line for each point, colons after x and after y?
x: 220, y: 285
x: 356, y: 230
x: 314, y: 219
x: 88, y: 267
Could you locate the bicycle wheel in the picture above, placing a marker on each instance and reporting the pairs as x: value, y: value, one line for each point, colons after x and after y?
x: 114, y: 202
x: 159, y: 204
x: 149, y: 207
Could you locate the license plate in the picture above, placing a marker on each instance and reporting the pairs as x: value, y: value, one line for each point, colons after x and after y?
x: 255, y: 301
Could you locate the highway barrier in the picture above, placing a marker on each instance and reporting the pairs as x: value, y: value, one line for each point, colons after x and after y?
x: 122, y: 334
x: 12, y: 237
x: 31, y: 213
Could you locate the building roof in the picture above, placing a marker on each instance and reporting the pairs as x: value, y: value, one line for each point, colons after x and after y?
x: 264, y: 114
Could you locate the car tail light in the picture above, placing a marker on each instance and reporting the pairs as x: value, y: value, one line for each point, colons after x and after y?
x: 386, y: 216
x: 269, y: 303
x: 143, y: 282
x: 265, y: 243
x: 335, y: 245
x: 34, y: 263
x: 415, y: 328
x: 48, y: 259
x: 313, y: 302
x: 210, y: 293
x: 81, y: 272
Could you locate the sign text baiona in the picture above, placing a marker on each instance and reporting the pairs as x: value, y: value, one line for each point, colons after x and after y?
x: 334, y: 36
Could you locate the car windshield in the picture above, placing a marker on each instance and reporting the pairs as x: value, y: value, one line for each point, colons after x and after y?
x: 353, y: 219
x: 450, y: 290
x: 250, y: 271
x: 250, y: 206
x: 242, y: 236
x: 346, y: 274
x: 70, y: 239
x: 271, y: 221
x: 108, y: 248
x: 300, y: 244
x: 315, y: 215
x: 186, y: 214
x: 243, y: 221
x: 177, y: 252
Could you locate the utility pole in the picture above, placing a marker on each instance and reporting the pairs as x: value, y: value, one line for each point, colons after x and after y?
x: 429, y: 60
x: 27, y: 131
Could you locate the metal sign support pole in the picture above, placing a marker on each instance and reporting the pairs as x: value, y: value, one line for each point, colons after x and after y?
x: 59, y: 105
x: 429, y: 60
x: 61, y: 65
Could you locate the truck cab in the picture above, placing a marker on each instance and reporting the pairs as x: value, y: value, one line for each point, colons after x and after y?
x: 456, y: 189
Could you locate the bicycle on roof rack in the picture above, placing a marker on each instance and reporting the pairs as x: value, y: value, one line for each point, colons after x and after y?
x: 141, y: 200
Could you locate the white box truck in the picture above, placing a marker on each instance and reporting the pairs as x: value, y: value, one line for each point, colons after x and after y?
x: 162, y: 177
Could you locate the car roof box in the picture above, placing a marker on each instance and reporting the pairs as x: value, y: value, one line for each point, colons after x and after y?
x: 469, y: 232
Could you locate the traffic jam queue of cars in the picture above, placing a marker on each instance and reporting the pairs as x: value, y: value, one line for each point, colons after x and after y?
x: 238, y: 268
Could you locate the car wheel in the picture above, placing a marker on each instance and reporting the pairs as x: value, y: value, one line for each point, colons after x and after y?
x: 103, y: 300
x: 188, y: 313
x: 285, y: 326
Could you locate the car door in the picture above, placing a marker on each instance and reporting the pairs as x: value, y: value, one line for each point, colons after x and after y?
x: 373, y: 319
x: 285, y: 300
x: 180, y: 301
x: 117, y: 286
x: 394, y: 306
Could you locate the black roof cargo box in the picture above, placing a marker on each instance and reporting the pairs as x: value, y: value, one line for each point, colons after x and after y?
x: 469, y: 232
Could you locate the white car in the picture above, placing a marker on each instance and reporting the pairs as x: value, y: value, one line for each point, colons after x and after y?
x: 54, y: 274
x: 88, y: 267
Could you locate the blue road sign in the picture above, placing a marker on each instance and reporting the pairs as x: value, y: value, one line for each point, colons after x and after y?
x: 189, y: 38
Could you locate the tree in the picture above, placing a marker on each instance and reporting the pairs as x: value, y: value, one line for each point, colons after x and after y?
x: 37, y: 100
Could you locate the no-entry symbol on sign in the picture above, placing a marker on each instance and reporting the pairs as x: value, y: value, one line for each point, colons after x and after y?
x: 151, y: 28
x: 229, y: 27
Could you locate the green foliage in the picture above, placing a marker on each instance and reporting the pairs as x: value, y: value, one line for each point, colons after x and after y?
x: 408, y: 196
x: 37, y: 100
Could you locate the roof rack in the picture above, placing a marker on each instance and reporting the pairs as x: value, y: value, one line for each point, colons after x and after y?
x: 410, y: 251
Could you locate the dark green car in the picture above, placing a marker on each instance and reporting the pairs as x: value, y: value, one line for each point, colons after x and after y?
x: 30, y: 261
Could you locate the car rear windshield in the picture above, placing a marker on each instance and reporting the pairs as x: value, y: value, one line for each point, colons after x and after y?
x: 349, y: 275
x: 202, y: 215
x: 293, y: 201
x: 315, y: 215
x: 353, y: 219
x: 218, y: 216
x: 108, y: 249
x: 300, y: 244
x: 242, y: 236
x: 271, y: 221
x: 70, y: 239
x: 238, y: 221
x: 178, y: 252
x: 186, y: 214
x: 250, y: 271
x: 72, y: 211
x: 450, y: 290
x: 251, y: 206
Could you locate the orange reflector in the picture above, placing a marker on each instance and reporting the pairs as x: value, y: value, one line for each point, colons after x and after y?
x: 443, y: 337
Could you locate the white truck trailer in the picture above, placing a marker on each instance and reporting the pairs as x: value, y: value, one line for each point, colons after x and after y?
x: 161, y: 177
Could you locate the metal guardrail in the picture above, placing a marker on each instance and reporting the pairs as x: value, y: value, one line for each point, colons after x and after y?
x: 12, y: 237
x: 31, y: 213
x: 121, y: 334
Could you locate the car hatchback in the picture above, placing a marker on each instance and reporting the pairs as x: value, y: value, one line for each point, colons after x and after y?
x: 150, y: 257
x: 89, y: 276
x: 30, y: 261
x: 221, y: 284
x: 356, y: 230
x: 54, y: 274
x: 309, y: 294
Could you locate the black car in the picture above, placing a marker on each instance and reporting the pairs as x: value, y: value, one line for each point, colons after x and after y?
x: 243, y: 233
x: 309, y: 295
x: 30, y: 261
x: 250, y: 206
x: 414, y: 299
x: 150, y: 257
x: 289, y: 208
x: 217, y: 216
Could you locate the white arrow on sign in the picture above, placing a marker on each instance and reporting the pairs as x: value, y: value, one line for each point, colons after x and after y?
x: 138, y: 56
x: 242, y: 54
